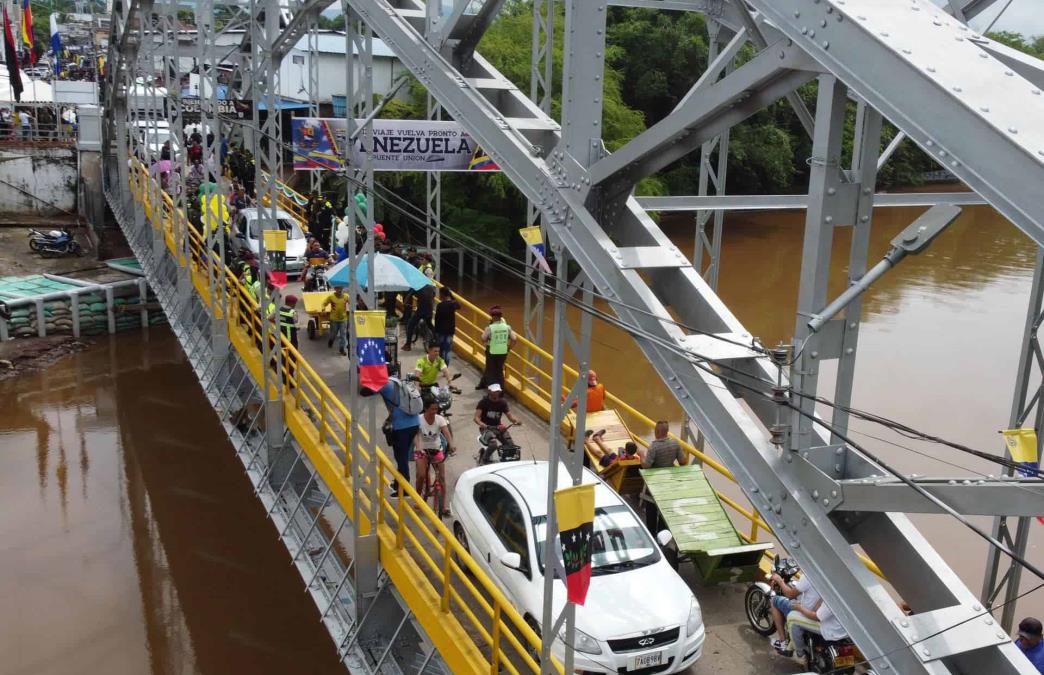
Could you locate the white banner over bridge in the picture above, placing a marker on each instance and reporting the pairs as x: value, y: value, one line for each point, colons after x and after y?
x: 398, y: 145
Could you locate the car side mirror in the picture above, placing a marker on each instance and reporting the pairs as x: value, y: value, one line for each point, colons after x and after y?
x: 511, y: 561
x: 664, y: 537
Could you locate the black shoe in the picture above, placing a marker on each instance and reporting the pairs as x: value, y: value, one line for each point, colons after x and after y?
x: 329, y: 343
x: 479, y: 386
x: 394, y: 487
x: 344, y: 353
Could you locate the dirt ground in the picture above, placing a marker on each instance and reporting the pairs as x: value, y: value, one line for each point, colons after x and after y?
x: 26, y: 355
x: 16, y: 259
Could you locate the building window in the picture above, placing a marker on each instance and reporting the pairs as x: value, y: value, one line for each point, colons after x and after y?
x: 298, y: 59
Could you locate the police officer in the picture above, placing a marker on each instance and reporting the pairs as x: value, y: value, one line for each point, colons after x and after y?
x: 499, y: 339
x: 288, y: 319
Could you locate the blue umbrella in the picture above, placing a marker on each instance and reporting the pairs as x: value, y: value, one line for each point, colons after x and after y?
x: 391, y: 272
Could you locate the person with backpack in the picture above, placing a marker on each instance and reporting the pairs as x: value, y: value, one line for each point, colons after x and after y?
x: 404, y: 403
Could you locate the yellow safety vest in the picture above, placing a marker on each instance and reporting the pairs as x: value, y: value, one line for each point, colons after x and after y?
x: 499, y: 337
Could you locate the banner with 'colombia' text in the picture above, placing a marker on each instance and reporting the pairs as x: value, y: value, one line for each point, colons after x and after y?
x: 398, y: 145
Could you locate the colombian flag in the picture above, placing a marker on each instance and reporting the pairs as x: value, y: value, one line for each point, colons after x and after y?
x: 575, y: 511
x: 27, y: 30
x: 1022, y: 446
x: 535, y: 241
x: 481, y: 161
x: 369, y: 335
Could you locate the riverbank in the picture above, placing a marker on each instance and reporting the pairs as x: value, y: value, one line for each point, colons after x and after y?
x: 27, y: 355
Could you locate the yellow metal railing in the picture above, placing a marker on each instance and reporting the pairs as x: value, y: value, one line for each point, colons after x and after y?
x: 528, y: 379
x: 473, y: 625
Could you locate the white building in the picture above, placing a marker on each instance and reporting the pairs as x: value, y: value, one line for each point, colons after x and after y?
x: 293, y: 71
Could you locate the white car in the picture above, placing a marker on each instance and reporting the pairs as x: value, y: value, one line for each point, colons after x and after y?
x: 639, y: 614
x: 246, y: 233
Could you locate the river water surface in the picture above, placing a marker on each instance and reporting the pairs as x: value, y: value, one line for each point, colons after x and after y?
x: 130, y: 541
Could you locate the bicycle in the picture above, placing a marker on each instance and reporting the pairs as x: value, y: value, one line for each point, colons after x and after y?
x: 433, y: 485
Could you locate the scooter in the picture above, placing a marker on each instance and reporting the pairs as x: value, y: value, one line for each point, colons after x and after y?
x: 821, y: 656
x: 442, y: 395
x: 54, y: 242
x: 493, y: 441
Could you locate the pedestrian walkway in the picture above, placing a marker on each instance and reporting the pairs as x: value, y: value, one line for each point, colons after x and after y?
x: 732, y: 647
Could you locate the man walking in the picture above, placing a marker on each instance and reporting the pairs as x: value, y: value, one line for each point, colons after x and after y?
x: 499, y: 339
x: 445, y: 322
x: 338, y: 304
x: 404, y: 427
x: 425, y: 308
x: 662, y: 453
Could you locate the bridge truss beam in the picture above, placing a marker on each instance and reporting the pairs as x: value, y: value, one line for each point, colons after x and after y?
x: 633, y: 264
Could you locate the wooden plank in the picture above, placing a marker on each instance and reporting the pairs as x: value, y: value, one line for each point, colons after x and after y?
x: 691, y: 509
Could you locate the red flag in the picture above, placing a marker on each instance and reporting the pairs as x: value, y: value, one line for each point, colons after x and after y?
x: 11, y: 56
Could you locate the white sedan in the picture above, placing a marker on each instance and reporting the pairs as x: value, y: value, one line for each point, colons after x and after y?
x: 639, y: 614
x: 247, y: 234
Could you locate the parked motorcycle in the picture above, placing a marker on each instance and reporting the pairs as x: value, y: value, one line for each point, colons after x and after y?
x: 443, y: 395
x: 54, y: 243
x: 491, y: 442
x: 821, y: 656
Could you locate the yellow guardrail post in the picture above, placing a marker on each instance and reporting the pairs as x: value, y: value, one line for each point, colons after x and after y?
x: 494, y: 659
x: 446, y: 565
x: 400, y: 512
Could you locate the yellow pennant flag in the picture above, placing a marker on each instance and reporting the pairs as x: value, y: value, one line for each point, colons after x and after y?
x: 1022, y: 446
x: 275, y: 253
x: 574, y: 507
x: 534, y: 239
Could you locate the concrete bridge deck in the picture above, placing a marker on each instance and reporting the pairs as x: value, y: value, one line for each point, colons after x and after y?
x: 731, y: 647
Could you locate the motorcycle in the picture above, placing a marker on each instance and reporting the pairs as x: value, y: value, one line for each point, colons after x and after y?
x: 54, y: 242
x: 442, y: 395
x: 493, y: 441
x: 821, y: 656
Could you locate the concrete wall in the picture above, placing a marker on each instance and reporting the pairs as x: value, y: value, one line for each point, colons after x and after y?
x: 48, y: 173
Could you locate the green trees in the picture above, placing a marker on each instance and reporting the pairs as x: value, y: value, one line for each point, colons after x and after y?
x: 652, y: 60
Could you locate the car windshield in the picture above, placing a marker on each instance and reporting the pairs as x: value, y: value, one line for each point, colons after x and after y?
x: 619, y: 542
x: 292, y: 229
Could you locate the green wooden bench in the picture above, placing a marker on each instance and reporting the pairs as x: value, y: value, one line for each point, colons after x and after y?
x: 700, y: 527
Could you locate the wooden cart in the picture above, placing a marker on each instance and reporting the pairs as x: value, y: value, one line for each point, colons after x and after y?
x: 318, y: 318
x: 701, y: 529
x: 622, y: 475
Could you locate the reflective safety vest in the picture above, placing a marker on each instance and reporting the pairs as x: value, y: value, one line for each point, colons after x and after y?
x: 255, y: 288
x: 287, y: 322
x: 499, y: 337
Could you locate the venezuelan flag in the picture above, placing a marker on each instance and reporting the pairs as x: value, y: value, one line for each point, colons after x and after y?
x: 574, y: 507
x: 369, y: 335
x: 480, y: 161
x: 535, y: 241
x: 27, y: 30
x: 1022, y: 446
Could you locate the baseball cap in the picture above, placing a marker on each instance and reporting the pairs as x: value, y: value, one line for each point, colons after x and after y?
x: 1030, y: 628
x: 496, y: 387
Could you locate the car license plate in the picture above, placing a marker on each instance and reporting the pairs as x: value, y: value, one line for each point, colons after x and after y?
x: 844, y: 661
x: 648, y: 660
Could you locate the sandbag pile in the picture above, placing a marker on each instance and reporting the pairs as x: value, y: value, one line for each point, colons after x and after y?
x: 58, y: 313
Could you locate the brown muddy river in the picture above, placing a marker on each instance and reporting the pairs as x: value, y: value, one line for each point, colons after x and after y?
x: 130, y: 541
x: 938, y: 346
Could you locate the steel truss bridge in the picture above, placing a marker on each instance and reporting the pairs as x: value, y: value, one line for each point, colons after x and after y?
x: 394, y: 589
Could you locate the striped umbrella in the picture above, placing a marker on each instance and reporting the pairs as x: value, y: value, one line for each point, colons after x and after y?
x: 391, y: 273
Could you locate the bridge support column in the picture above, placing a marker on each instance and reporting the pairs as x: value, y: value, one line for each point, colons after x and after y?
x: 362, y: 446
x: 1002, y: 578
x: 566, y: 343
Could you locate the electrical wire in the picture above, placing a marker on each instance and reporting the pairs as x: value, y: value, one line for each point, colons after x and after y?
x: 510, y: 266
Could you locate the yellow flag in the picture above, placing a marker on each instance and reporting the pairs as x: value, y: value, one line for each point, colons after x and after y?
x: 275, y: 240
x: 1022, y: 444
x: 535, y: 241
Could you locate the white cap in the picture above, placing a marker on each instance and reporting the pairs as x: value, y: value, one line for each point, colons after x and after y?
x: 428, y: 272
x: 494, y: 387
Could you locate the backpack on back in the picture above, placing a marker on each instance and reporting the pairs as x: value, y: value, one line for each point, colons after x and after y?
x: 409, y: 396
